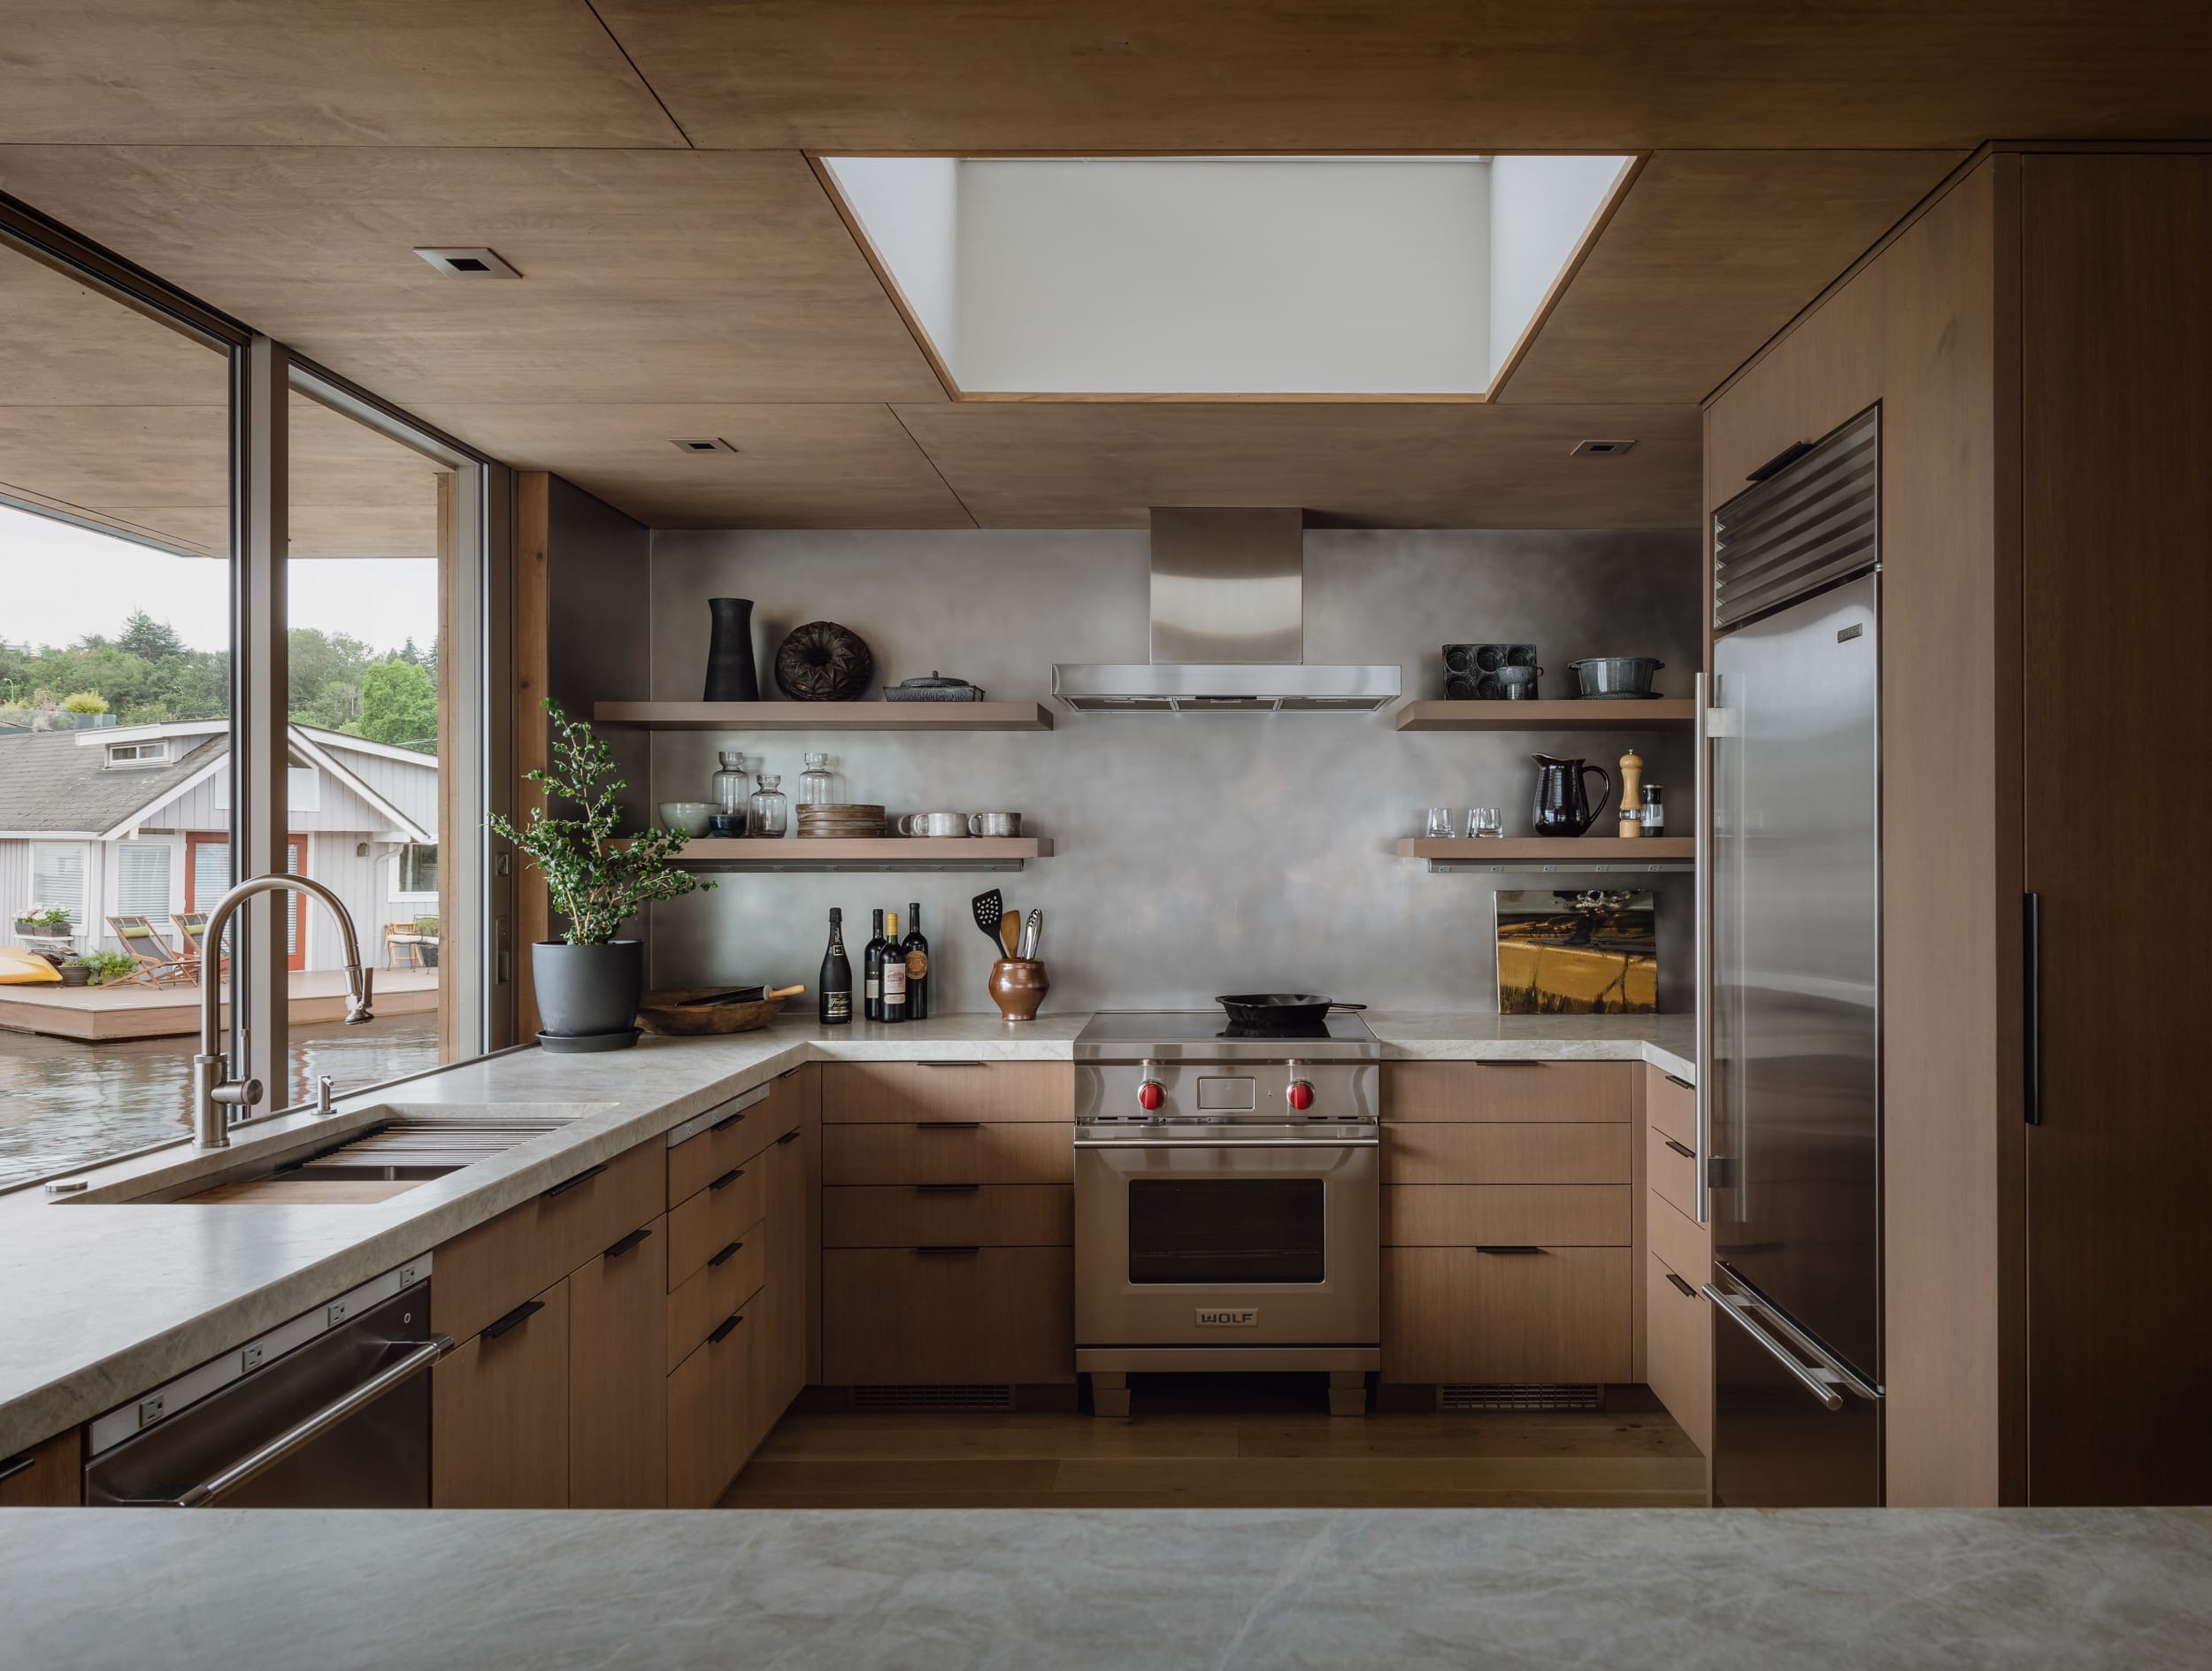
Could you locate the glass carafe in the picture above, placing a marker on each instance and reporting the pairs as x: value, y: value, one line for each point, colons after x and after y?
x: 818, y: 784
x: 733, y: 793
x: 769, y: 809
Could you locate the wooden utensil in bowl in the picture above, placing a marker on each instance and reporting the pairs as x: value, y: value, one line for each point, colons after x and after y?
x: 662, y: 1012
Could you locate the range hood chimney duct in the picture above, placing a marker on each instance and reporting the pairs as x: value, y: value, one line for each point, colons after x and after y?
x: 1228, y: 628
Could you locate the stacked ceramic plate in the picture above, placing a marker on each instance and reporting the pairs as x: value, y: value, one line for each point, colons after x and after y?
x: 851, y: 822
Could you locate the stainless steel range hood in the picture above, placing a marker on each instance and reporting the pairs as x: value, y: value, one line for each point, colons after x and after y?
x: 1228, y: 628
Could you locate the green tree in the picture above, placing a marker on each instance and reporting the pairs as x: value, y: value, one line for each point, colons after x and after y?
x: 399, y: 705
x: 149, y: 639
x: 325, y: 678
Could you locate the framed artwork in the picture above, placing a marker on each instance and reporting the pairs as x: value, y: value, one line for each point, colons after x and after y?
x: 1575, y: 951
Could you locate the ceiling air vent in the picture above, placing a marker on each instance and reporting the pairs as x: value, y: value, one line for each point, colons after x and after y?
x: 468, y: 264
x: 702, y: 444
x: 1594, y: 448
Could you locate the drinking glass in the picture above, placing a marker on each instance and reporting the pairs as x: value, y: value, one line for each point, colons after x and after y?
x: 1441, y: 821
x: 1484, y: 821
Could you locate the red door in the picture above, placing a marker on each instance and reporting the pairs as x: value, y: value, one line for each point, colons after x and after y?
x: 207, y: 877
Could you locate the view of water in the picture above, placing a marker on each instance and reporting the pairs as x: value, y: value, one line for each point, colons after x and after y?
x: 64, y: 1103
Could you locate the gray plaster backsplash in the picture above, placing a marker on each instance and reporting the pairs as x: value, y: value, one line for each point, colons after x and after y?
x: 1195, y: 853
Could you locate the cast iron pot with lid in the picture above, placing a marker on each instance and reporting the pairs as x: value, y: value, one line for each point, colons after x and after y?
x: 1274, y: 1012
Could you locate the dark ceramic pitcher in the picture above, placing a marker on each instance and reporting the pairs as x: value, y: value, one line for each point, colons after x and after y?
x: 1562, y: 806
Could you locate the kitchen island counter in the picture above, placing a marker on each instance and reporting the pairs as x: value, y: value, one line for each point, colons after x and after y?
x: 1160, y: 1589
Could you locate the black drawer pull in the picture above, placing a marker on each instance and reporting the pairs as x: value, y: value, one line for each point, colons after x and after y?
x: 1506, y: 1247
x: 1687, y: 1291
x: 948, y: 1125
x: 722, y: 1328
x: 790, y: 1071
x: 727, y: 1178
x: 514, y: 1318
x: 948, y: 1251
x: 724, y: 1255
x: 584, y: 1176
x: 1501, y: 1063
x: 947, y: 1189
x: 789, y: 1136
x: 16, y: 1465
x: 625, y: 1244
x: 727, y: 1120
x: 1677, y: 1079
x: 950, y: 1063
x: 1684, y: 1150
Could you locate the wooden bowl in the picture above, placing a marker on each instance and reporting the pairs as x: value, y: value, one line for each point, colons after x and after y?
x: 657, y: 1012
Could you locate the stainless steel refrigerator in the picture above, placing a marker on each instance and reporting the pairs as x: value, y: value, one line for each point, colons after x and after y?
x: 1794, y: 1072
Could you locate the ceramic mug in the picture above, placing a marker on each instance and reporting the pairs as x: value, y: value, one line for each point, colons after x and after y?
x: 994, y: 823
x: 937, y: 824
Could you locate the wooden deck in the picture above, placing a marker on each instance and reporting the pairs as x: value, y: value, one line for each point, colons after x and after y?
x: 101, y: 1014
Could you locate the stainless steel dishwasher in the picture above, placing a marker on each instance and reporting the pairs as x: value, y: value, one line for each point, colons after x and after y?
x: 329, y: 1409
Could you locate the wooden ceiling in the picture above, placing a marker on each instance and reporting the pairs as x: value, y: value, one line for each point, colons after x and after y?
x: 643, y: 166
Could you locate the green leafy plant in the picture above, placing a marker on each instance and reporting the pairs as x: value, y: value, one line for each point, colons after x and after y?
x: 106, y: 967
x: 84, y: 702
x: 596, y: 885
x: 48, y: 918
x: 427, y: 924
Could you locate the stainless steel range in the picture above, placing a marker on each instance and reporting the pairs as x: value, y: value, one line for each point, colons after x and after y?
x: 1226, y: 1200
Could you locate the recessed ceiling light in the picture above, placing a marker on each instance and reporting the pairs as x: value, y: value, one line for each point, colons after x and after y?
x: 1595, y: 447
x: 468, y: 264
x: 703, y: 444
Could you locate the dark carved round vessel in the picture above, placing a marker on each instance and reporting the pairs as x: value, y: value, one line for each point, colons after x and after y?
x: 824, y: 662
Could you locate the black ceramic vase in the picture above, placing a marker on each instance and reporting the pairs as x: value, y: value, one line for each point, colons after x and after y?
x: 730, y: 675
x: 588, y: 991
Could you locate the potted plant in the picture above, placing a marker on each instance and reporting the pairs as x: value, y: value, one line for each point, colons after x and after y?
x: 75, y: 971
x: 101, y: 968
x: 49, y: 920
x: 588, y: 981
x: 426, y: 925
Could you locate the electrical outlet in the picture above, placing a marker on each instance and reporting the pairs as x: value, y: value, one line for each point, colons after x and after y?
x: 249, y: 1358
x: 335, y: 1314
x: 149, y: 1409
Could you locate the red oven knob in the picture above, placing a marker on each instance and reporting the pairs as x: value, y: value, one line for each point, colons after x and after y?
x: 1150, y: 1095
x: 1301, y: 1095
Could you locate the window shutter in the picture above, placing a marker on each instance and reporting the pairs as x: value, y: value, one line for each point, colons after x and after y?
x: 142, y: 880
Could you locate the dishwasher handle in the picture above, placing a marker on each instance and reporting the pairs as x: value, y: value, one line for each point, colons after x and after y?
x: 329, y: 1416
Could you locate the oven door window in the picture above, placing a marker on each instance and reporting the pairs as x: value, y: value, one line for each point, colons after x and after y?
x: 1225, y: 1230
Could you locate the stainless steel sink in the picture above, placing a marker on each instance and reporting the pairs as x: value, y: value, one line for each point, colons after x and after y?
x: 414, y: 1146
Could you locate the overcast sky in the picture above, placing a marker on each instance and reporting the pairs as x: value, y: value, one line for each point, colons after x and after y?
x: 58, y: 582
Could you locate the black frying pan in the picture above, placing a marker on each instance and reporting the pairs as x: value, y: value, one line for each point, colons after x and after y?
x: 1270, y: 1010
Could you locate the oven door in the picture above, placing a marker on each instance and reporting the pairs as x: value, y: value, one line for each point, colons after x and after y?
x: 1265, y: 1236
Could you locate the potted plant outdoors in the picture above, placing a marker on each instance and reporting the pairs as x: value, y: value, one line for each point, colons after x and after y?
x: 77, y: 970
x: 48, y: 920
x: 588, y: 983
x: 101, y: 968
x: 426, y: 925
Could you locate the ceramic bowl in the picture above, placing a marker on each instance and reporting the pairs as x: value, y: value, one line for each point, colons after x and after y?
x: 688, y: 816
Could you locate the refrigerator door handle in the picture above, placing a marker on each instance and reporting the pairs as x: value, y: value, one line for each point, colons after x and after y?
x: 1701, y: 827
x: 1821, y: 1380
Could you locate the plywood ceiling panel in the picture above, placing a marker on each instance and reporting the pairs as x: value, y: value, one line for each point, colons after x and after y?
x: 1381, y: 466
x: 1710, y: 254
x: 844, y: 465
x: 1423, y: 75
x: 648, y: 276
x: 322, y: 72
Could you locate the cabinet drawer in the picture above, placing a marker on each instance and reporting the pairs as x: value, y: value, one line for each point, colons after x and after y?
x: 713, y: 1291
x: 715, y: 1217
x: 50, y: 1475
x: 733, y: 1141
x: 487, y: 1271
x: 1457, y: 1314
x: 936, y: 1152
x: 889, y: 1093
x: 988, y: 1314
x: 1485, y: 1154
x: 499, y: 1412
x: 1670, y: 1106
x: 708, y: 1418
x: 922, y: 1215
x: 1671, y: 1166
x: 1678, y: 1349
x: 618, y: 1396
x: 1571, y: 1093
x: 1687, y: 1247
x: 1462, y: 1215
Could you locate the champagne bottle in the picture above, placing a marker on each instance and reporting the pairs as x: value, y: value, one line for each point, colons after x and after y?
x: 894, y: 973
x: 834, y: 1006
x: 916, y: 949
x: 871, y: 972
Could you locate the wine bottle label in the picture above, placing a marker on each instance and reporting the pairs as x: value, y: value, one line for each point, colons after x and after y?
x: 916, y: 965
x: 894, y: 983
x: 875, y: 988
x: 840, y: 1006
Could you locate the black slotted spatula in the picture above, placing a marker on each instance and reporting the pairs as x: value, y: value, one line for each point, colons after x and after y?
x: 988, y: 909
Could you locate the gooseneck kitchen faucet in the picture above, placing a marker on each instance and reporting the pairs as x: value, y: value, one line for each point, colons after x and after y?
x: 214, y: 1093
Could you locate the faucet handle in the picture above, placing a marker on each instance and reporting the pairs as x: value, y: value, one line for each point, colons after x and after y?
x: 322, y: 1095
x: 238, y: 1093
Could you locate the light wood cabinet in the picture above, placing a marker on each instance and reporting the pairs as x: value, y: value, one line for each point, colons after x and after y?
x: 782, y: 1344
x: 616, y: 1373
x: 499, y: 1410
x: 1463, y: 1314
x: 1679, y: 1348
x: 707, y: 1296
x: 939, y: 1152
x: 1670, y: 1166
x: 876, y: 1093
x: 50, y: 1475
x: 985, y: 1314
x: 1465, y: 1214
x: 1508, y: 1154
x: 960, y: 1214
x: 731, y: 1203
x: 708, y: 1414
x: 1573, y: 1093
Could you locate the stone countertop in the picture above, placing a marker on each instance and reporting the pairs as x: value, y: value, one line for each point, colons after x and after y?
x: 234, y: 1590
x: 106, y: 1298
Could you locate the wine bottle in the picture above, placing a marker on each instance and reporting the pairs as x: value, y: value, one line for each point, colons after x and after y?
x: 834, y: 1008
x: 917, y: 950
x: 871, y: 972
x: 894, y: 973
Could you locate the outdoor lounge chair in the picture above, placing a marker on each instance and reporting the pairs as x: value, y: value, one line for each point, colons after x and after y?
x: 191, y: 927
x: 402, y: 939
x: 156, y: 963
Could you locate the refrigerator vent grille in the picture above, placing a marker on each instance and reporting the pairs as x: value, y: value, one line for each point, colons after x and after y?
x: 1494, y: 1395
x: 934, y: 1397
x: 1817, y: 522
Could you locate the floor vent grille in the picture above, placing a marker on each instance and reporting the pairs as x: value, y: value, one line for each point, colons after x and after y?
x: 934, y: 1397
x: 1510, y: 1396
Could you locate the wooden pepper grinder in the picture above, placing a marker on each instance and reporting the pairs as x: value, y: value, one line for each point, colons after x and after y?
x: 1631, y: 795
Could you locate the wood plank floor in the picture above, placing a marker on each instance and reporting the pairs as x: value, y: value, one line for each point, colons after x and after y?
x: 1244, y: 1446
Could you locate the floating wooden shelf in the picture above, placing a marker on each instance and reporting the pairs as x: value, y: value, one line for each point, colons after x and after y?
x: 825, y: 716
x: 1548, y: 852
x: 1660, y: 714
x: 885, y: 853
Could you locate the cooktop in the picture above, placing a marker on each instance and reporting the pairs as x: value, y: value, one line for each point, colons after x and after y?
x: 1133, y: 1035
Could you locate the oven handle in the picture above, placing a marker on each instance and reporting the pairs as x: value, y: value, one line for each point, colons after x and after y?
x: 1228, y: 1142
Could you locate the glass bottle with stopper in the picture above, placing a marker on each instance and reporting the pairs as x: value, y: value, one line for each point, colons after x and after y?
x: 818, y: 784
x: 733, y: 795
x: 769, y: 808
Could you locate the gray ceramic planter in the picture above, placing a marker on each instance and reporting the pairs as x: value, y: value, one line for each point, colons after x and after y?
x: 588, y: 990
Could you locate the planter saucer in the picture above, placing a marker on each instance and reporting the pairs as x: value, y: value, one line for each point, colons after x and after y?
x: 587, y: 1044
